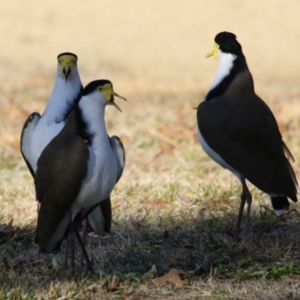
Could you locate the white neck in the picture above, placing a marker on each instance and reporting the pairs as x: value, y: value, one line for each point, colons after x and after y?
x: 225, y: 66
x: 93, y: 114
x: 63, y: 96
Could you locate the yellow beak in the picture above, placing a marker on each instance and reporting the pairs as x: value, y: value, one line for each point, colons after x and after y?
x: 114, y: 103
x: 119, y: 96
x: 109, y: 94
x: 214, y: 52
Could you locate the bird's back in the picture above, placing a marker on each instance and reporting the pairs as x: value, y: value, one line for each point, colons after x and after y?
x: 250, y: 131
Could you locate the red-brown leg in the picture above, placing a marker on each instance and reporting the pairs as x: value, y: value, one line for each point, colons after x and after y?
x: 84, y: 253
x: 246, y: 196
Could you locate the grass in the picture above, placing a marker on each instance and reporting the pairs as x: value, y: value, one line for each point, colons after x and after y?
x: 174, y: 210
x: 201, y: 243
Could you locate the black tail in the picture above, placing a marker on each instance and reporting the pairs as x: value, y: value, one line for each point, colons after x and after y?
x: 280, y: 204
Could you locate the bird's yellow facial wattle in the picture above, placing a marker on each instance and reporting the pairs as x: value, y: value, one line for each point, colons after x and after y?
x: 109, y: 94
x: 67, y: 63
x: 214, y: 52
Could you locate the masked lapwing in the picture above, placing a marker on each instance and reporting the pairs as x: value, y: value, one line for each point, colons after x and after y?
x: 76, y: 171
x: 39, y: 130
x: 239, y: 131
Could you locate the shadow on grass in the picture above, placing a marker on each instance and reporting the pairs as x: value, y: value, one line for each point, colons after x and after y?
x: 203, y: 245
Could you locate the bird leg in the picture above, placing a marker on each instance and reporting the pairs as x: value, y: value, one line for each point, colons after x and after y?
x: 70, y: 245
x: 84, y: 253
x: 249, y: 202
x: 245, y: 196
x: 71, y: 238
x: 85, y: 228
x: 65, y: 265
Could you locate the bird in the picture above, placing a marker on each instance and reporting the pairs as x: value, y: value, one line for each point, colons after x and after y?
x: 76, y: 171
x: 238, y: 130
x: 39, y: 130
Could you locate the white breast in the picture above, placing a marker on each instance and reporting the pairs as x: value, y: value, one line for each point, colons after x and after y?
x: 100, y: 181
x: 226, y: 64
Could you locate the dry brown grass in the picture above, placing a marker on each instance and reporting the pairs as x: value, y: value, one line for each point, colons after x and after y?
x: 173, y: 207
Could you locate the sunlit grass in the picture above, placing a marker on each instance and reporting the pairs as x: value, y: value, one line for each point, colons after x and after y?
x: 173, y: 207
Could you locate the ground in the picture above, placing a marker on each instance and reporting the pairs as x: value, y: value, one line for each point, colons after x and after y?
x: 174, y: 210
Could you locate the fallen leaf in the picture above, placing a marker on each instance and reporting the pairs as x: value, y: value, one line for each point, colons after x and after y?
x: 113, y: 286
x: 173, y: 276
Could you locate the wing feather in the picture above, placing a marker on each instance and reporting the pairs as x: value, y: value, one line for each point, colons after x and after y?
x: 246, y: 135
x: 25, y: 139
x: 61, y: 169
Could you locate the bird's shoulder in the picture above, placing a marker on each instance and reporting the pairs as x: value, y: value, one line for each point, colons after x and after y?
x: 61, y: 168
x: 245, y: 121
x: 234, y: 115
x: 33, y: 118
x: 25, y: 138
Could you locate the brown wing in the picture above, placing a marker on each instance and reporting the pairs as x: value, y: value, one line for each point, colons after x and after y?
x: 246, y: 135
x: 61, y: 169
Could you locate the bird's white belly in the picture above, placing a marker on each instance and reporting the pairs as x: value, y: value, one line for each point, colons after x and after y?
x: 216, y: 157
x: 100, y: 180
x: 41, y: 137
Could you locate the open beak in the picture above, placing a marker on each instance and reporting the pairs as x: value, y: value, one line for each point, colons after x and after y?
x: 114, y: 94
